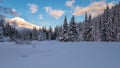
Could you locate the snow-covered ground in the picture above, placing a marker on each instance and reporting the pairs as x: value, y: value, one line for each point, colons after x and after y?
x: 52, y: 54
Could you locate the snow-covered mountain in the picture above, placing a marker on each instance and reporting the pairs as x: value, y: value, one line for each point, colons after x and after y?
x: 20, y: 23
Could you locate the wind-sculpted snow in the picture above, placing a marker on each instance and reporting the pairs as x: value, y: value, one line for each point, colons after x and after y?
x: 53, y: 54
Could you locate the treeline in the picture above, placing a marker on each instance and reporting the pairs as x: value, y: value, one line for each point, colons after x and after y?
x: 105, y: 27
x: 9, y: 32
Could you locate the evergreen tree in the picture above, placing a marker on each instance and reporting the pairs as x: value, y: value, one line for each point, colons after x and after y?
x: 104, y: 25
x: 88, y: 30
x: 86, y: 17
x: 42, y: 34
x: 58, y: 31
x: 72, y: 34
x: 80, y: 30
x: 50, y: 33
x: 1, y: 31
x: 10, y: 31
x: 64, y: 35
x: 65, y: 26
x: 35, y: 34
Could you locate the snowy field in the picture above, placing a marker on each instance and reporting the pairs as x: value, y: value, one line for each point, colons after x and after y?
x: 52, y: 54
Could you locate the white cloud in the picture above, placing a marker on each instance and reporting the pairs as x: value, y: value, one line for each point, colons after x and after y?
x: 11, y: 11
x: 70, y: 3
x: 95, y: 8
x: 40, y: 16
x: 33, y: 8
x: 48, y: 8
x: 56, y: 13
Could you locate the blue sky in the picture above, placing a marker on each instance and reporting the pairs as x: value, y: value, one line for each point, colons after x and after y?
x: 52, y: 12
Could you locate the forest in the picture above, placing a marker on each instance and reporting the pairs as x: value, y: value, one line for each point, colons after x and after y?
x: 105, y: 27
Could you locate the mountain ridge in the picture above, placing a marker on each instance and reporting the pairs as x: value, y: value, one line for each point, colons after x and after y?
x: 21, y: 23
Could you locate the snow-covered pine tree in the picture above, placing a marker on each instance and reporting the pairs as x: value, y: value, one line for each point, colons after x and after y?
x: 85, y: 26
x: 117, y: 20
x: 99, y: 29
x: 30, y: 35
x: 6, y: 30
x: 50, y: 32
x: 112, y: 26
x: 10, y: 31
x: 65, y: 26
x: 104, y: 24
x: 64, y: 35
x: 53, y: 35
x: 42, y: 34
x: 107, y: 26
x: 35, y: 34
x: 88, y: 30
x: 80, y: 31
x: 14, y: 34
x: 59, y: 30
x: 72, y: 33
x: 25, y: 34
x: 56, y: 31
x: 1, y: 31
x: 46, y: 32
x: 86, y: 17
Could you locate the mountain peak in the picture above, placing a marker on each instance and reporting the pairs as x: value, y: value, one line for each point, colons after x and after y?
x: 20, y: 23
x: 18, y: 19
